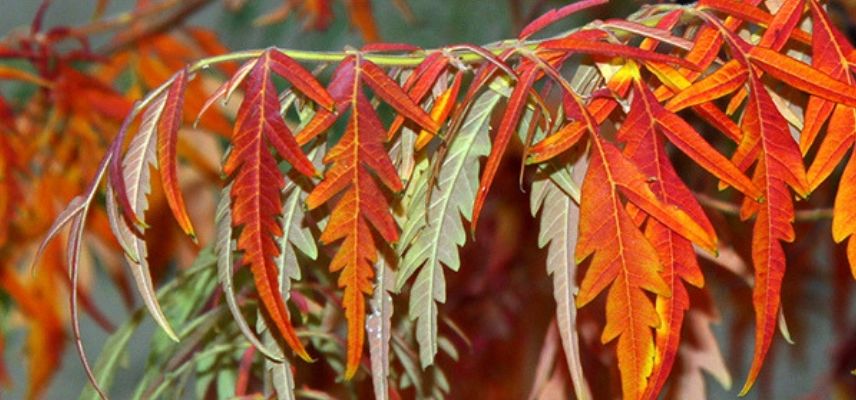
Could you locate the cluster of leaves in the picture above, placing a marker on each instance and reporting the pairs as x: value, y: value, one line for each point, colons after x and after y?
x: 386, y: 182
x: 47, y: 145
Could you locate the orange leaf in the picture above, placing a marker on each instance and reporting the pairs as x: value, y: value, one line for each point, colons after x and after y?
x: 443, y: 105
x: 803, y: 77
x: 674, y: 252
x: 829, y: 50
x: 358, y: 155
x: 361, y: 17
x: 624, y: 259
x: 566, y: 137
x: 418, y: 84
x: 723, y: 81
x: 675, y: 81
x: 752, y: 13
x: 845, y: 213
x: 779, y: 166
x: 648, y: 113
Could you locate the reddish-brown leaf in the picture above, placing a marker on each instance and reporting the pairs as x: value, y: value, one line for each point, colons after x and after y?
x: 257, y: 184
x: 507, y: 127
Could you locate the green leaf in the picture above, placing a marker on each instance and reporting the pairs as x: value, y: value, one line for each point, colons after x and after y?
x: 278, y: 374
x: 224, y: 246
x: 379, y: 328
x: 556, y: 195
x: 136, y: 170
x: 113, y: 351
x: 431, y: 237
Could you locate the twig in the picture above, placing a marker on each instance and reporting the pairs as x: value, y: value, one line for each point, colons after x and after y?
x: 186, y: 9
x: 725, y: 207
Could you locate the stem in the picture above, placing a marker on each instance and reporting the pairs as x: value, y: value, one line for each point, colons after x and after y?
x: 733, y: 209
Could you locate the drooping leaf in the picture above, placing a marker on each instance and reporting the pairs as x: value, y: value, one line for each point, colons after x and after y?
x: 135, y: 175
x: 646, y: 148
x: 224, y: 246
x: 433, y: 232
x: 257, y: 185
x: 379, y: 328
x: 167, y: 139
x: 356, y: 159
x: 624, y: 260
x: 558, y: 232
x: 517, y: 102
x: 779, y: 165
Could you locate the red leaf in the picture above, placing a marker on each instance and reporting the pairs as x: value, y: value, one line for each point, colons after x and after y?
x: 507, y: 127
x: 779, y: 166
x: 393, y: 95
x: 749, y: 12
x: 419, y: 83
x: 257, y: 184
x: 168, y: 127
x: 577, y: 42
x: 556, y: 14
x: 646, y: 111
x: 299, y: 77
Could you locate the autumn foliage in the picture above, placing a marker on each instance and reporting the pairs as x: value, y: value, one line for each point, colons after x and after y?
x: 349, y: 181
